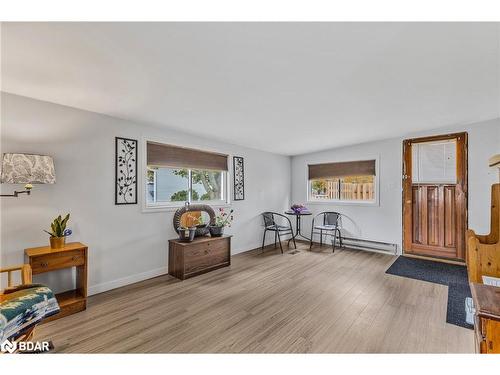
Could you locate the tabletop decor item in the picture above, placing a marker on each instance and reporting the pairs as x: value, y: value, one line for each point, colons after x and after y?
x: 222, y: 219
x: 26, y: 169
x: 239, y: 178
x: 184, y: 217
x: 125, y: 171
x: 186, y: 234
x: 59, y: 232
x: 299, y: 208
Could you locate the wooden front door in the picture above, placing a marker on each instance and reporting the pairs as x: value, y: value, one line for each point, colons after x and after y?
x: 435, y: 196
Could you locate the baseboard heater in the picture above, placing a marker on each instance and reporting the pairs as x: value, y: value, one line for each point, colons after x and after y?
x: 359, y: 243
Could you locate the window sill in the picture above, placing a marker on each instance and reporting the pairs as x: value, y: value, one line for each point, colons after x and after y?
x: 343, y: 203
x: 171, y: 208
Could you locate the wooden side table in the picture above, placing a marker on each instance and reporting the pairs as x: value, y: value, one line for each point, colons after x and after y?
x: 74, y: 254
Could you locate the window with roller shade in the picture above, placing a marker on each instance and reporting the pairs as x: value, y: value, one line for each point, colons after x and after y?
x: 176, y: 175
x: 350, y: 181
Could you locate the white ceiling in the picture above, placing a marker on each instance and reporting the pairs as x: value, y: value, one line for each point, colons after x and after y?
x: 288, y: 88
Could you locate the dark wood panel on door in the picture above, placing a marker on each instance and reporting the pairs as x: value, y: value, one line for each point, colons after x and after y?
x: 435, y: 214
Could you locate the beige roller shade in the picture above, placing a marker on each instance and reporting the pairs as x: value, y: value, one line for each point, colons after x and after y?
x: 162, y: 155
x: 342, y: 169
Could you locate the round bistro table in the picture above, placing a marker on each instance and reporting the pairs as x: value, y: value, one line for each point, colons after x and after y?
x: 298, y: 215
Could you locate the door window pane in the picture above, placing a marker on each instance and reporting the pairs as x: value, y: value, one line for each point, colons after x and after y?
x: 434, y: 162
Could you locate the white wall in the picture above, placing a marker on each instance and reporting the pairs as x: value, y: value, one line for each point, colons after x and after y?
x: 125, y: 244
x: 383, y: 222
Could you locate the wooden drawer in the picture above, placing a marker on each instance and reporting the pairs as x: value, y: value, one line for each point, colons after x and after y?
x: 205, y: 255
x: 49, y: 262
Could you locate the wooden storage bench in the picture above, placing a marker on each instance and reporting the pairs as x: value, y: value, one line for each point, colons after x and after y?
x: 204, y: 254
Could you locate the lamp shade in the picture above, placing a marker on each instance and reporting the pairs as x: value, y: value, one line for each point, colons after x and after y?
x: 27, y: 169
x: 494, y: 161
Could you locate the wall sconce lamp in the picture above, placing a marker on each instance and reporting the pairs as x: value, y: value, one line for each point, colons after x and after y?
x: 494, y: 162
x: 27, y: 169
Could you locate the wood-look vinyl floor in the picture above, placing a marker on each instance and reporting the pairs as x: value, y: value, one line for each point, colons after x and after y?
x: 309, y: 302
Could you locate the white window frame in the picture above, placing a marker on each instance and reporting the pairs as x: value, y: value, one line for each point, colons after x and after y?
x: 374, y: 202
x: 172, y: 206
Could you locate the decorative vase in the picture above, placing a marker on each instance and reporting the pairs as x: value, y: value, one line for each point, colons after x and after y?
x: 57, y: 242
x: 186, y: 234
x: 216, y: 231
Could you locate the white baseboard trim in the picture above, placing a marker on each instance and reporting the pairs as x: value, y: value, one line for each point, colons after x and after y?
x: 104, y: 287
x: 110, y: 285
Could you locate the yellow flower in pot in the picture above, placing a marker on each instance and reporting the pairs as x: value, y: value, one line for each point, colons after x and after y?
x: 59, y: 232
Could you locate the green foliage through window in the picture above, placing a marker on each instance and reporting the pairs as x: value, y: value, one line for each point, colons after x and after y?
x: 164, y: 184
x: 182, y: 196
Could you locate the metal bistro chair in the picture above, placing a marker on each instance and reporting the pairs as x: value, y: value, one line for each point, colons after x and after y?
x: 330, y: 224
x: 270, y: 224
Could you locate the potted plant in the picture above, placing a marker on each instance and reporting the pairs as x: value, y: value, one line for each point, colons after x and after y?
x: 59, y: 232
x: 222, y: 219
x: 186, y: 234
